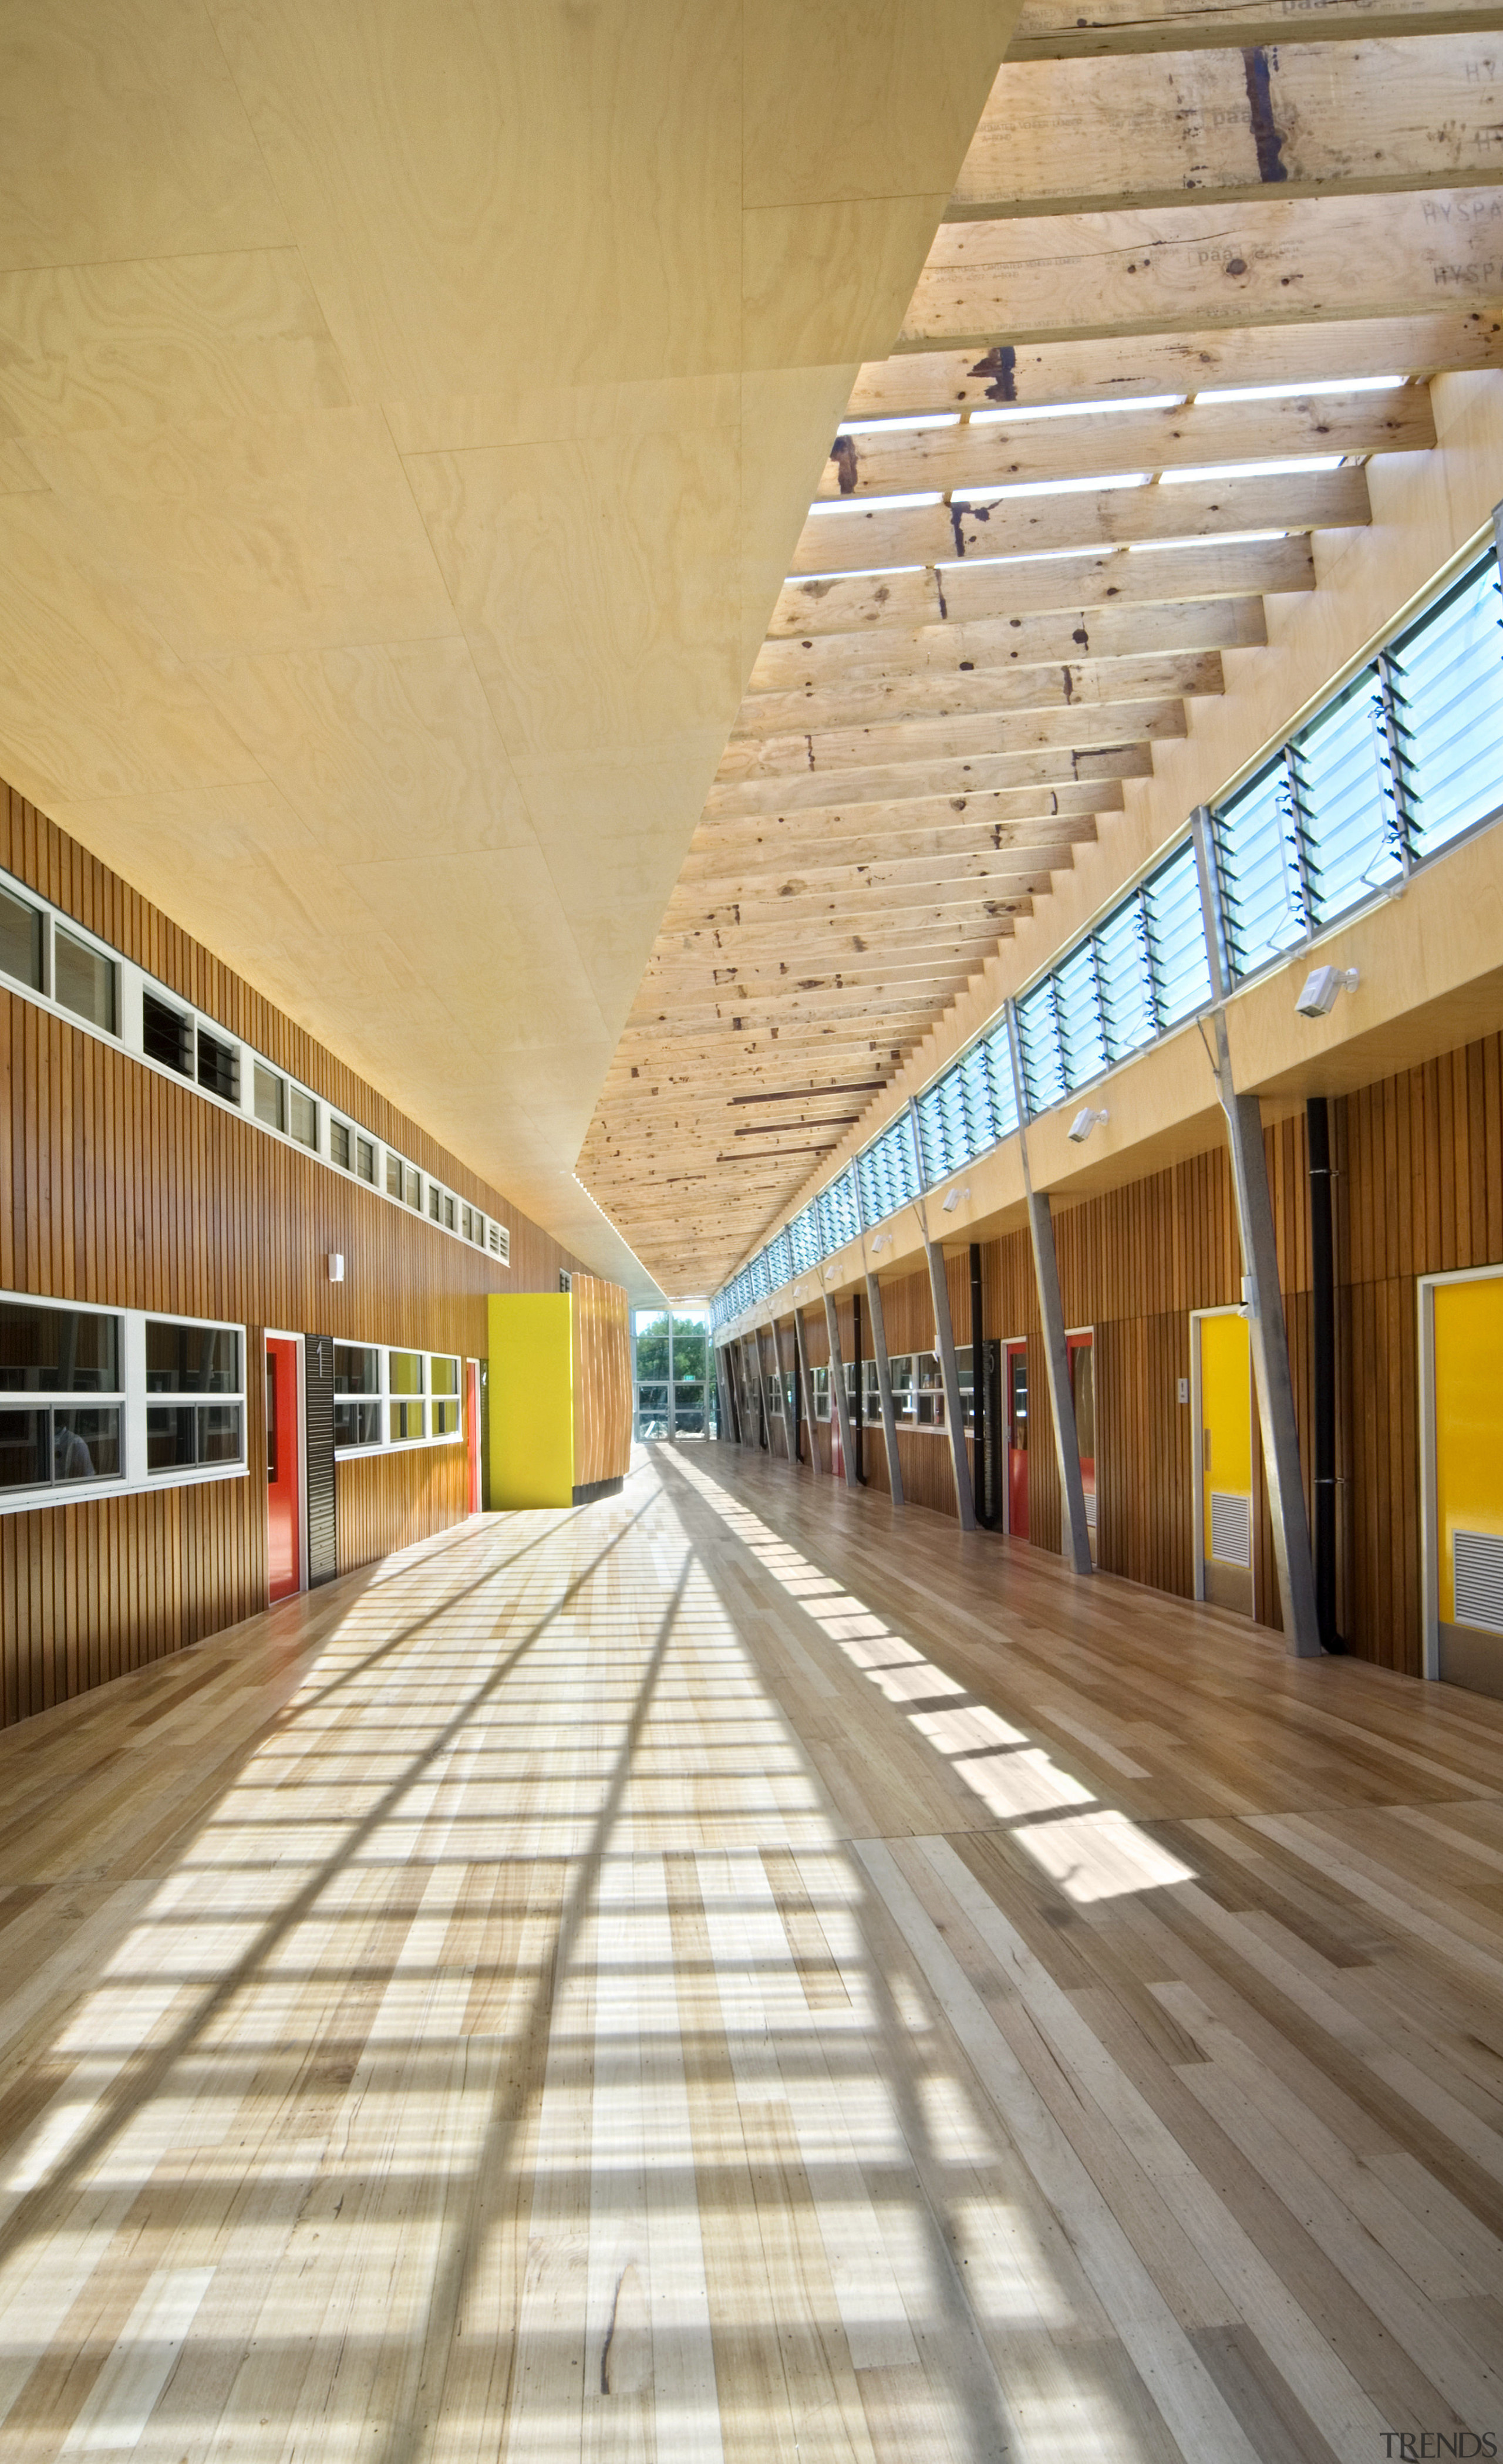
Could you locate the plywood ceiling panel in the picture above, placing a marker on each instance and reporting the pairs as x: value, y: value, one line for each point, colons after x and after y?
x: 406, y: 419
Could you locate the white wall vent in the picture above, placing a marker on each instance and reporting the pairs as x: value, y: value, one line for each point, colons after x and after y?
x: 501, y: 1243
x: 1479, y: 1579
x: 1232, y: 1529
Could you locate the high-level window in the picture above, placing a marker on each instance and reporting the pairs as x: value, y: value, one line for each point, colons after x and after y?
x: 21, y: 941
x: 166, y: 1035
x: 83, y: 980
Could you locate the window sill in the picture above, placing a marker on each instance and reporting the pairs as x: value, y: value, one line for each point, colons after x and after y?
x: 397, y: 1446
x: 92, y: 1492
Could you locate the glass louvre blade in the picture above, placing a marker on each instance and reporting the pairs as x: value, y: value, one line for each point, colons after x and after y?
x: 1077, y: 1009
x: 1346, y: 800
x: 1043, y: 1079
x: 804, y: 1234
x: 1446, y: 674
x: 973, y: 1076
x: 780, y: 1260
x: 1003, y: 1094
x: 1256, y: 852
x: 838, y: 1210
x: 1175, y: 927
x: 933, y: 1134
x: 1125, y: 977
x: 889, y: 1179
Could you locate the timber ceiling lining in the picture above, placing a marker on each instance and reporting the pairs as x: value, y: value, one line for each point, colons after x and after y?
x: 1141, y: 373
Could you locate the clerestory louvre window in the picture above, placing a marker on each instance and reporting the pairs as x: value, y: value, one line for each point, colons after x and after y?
x: 804, y: 1236
x: 838, y: 1211
x: 1447, y: 679
x: 1043, y: 1079
x: 889, y: 1171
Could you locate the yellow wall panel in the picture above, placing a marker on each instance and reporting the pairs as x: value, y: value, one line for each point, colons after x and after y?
x: 1469, y: 1419
x: 531, y: 1400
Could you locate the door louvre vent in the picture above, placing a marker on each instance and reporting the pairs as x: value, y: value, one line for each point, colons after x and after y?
x: 1479, y: 1579
x: 1231, y: 1527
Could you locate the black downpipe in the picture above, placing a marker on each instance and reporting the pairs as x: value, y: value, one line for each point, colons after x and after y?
x: 978, y: 1390
x: 860, y: 1414
x: 798, y: 1404
x: 1322, y: 1313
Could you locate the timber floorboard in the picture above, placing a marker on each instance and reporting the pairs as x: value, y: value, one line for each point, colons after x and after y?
x: 737, y: 1972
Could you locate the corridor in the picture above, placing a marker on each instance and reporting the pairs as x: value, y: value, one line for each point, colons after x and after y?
x: 725, y: 1973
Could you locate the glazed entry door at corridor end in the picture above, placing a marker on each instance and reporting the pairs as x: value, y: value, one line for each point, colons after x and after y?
x: 284, y: 1467
x: 1221, y: 1361
x: 1461, y: 1360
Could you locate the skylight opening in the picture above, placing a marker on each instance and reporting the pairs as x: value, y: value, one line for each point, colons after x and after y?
x: 1220, y: 538
x: 1283, y: 467
x: 1293, y: 392
x: 851, y: 573
x: 1022, y: 556
x: 900, y: 504
x: 894, y: 427
x: 1100, y: 480
x: 1078, y: 410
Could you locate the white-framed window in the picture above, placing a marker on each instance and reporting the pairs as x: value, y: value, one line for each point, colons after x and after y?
x: 195, y: 1395
x: 167, y: 1034
x: 57, y: 960
x: 405, y: 1409
x: 404, y: 1181
x: 94, y: 1398
x: 387, y: 1396
x: 356, y: 1396
x: 271, y: 1097
x: 62, y: 1397
x: 819, y: 1380
x: 443, y: 1380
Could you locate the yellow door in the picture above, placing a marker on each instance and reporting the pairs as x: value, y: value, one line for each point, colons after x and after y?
x: 1227, y: 1461
x: 1468, y: 1481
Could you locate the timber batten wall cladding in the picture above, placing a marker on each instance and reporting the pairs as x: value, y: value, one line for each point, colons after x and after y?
x: 1418, y: 1190
x: 129, y: 1189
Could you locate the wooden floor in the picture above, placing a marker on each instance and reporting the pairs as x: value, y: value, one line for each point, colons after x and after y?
x: 728, y: 1972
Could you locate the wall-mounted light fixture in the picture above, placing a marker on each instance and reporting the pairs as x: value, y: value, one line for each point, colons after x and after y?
x: 952, y: 1199
x: 335, y: 1267
x: 1322, y: 987
x: 1084, y: 1122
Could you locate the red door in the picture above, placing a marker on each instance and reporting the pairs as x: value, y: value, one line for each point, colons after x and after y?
x: 283, y: 1487
x: 472, y: 1429
x: 1083, y: 1394
x: 1017, y: 1406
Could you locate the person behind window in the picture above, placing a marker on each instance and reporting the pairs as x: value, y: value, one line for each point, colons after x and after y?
x: 71, y: 1457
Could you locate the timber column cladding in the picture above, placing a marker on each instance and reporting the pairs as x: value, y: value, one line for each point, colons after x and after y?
x: 559, y: 1394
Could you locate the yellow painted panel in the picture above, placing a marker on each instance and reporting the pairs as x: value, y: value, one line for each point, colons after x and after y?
x: 1469, y: 1419
x: 531, y: 1400
x: 1226, y: 1412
